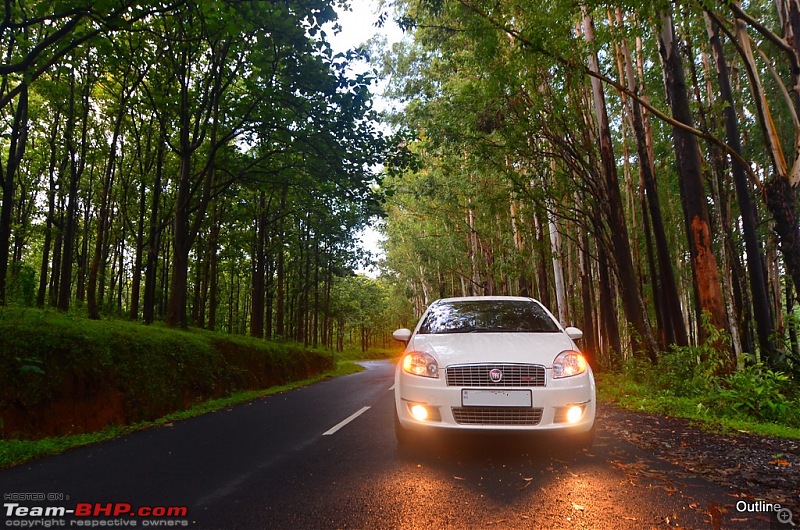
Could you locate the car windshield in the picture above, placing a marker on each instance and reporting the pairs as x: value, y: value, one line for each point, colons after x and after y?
x: 487, y: 316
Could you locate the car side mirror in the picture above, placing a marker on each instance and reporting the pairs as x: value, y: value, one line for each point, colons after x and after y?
x: 573, y: 333
x: 403, y: 335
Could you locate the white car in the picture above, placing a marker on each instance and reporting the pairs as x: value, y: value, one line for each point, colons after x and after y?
x: 495, y: 363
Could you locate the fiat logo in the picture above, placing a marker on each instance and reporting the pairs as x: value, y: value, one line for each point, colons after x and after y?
x: 495, y: 375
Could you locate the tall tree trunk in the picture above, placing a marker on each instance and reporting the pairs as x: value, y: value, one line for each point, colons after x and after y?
x: 136, y: 281
x: 541, y: 262
x: 83, y: 257
x: 259, y: 271
x: 747, y: 208
x: 608, y: 315
x: 103, y: 222
x: 55, y: 275
x: 693, y: 195
x: 213, y: 256
x: 19, y: 134
x: 779, y: 192
x: 674, y: 329
x: 280, y: 327
x: 589, y: 346
x: 558, y: 270
x: 181, y: 245
x: 153, y: 241
x: 76, y: 166
x: 632, y: 301
x: 51, y: 204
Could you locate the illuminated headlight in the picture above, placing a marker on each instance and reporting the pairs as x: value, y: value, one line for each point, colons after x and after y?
x: 568, y: 363
x: 419, y: 363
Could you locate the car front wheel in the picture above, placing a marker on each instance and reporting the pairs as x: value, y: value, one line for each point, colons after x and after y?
x: 584, y: 440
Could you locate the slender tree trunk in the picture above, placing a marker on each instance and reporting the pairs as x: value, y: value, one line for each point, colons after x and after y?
x: 632, y: 302
x: 83, y: 257
x: 76, y: 166
x: 102, y: 223
x: 608, y: 315
x: 56, y: 266
x: 181, y: 245
x: 51, y: 204
x: 213, y: 251
x: 589, y: 345
x: 673, y: 325
x: 153, y: 242
x: 136, y: 281
x: 280, y: 272
x: 259, y: 271
x: 541, y: 262
x: 558, y: 270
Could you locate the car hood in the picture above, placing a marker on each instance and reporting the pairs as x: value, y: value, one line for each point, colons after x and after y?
x: 466, y: 348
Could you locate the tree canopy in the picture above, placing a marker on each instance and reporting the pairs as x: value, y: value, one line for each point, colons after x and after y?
x: 204, y: 162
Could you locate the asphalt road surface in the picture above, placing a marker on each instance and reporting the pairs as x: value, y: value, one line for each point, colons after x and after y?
x: 325, y: 457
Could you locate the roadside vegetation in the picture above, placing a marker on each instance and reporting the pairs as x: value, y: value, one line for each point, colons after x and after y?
x: 67, y: 381
x: 686, y: 383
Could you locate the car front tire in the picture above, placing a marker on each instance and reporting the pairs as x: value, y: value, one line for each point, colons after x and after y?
x: 584, y: 440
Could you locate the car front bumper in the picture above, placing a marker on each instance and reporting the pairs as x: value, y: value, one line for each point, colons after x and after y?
x: 508, y: 409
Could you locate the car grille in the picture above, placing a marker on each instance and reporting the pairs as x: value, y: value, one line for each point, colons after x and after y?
x: 497, y: 416
x: 477, y: 375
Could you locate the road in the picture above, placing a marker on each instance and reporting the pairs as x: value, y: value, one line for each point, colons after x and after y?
x: 324, y: 457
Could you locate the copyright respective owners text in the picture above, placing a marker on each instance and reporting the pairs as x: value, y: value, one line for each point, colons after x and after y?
x: 60, y: 510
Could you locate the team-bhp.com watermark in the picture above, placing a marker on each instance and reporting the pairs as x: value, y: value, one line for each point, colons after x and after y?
x: 19, y: 514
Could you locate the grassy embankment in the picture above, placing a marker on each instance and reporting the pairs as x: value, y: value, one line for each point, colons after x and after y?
x: 67, y: 381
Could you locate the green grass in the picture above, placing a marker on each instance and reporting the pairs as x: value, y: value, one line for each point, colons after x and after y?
x: 14, y: 452
x: 625, y: 391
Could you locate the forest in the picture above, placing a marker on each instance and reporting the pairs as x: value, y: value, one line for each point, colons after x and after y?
x: 209, y: 164
x: 195, y: 163
x: 632, y: 165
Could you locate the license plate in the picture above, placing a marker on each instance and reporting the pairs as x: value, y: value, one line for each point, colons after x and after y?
x: 496, y: 398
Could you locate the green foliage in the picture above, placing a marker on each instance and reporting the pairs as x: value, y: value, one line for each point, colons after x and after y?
x: 758, y: 392
x: 22, y: 288
x: 49, y: 359
x: 689, y: 381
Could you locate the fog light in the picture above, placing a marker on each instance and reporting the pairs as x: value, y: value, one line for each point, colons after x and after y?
x: 574, y: 414
x: 419, y: 412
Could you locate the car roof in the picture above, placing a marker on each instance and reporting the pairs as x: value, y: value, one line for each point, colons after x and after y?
x: 484, y: 299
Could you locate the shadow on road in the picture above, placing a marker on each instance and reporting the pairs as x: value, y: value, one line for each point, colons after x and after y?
x: 481, y: 448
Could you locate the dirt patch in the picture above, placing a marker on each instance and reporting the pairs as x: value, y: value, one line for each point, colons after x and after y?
x: 754, y: 467
x: 72, y: 415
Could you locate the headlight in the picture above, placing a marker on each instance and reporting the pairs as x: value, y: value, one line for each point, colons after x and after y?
x: 568, y: 363
x: 419, y: 363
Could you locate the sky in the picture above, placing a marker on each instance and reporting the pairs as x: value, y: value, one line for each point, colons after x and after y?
x: 358, y: 26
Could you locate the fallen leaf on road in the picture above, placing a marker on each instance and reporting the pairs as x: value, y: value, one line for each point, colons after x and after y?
x: 780, y: 462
